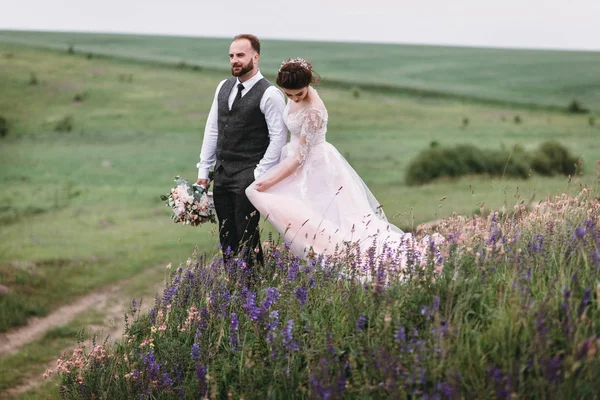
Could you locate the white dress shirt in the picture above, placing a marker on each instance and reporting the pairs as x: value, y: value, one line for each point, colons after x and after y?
x: 272, y: 104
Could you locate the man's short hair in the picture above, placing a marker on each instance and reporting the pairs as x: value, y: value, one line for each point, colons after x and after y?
x: 254, y: 42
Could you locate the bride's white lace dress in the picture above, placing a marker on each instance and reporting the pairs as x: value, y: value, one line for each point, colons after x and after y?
x: 323, y: 202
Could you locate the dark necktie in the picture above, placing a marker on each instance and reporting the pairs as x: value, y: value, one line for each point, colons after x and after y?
x: 239, y: 94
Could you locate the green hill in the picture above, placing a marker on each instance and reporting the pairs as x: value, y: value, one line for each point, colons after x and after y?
x: 540, y: 78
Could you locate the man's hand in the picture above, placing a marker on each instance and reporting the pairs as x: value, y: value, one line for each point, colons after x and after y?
x: 203, y: 182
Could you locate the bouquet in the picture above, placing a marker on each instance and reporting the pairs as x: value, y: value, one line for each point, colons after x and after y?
x: 191, y: 204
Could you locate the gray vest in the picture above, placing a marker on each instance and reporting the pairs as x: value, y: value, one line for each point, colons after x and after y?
x: 243, y: 132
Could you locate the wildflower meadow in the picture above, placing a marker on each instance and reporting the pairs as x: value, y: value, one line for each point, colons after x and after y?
x: 508, y: 308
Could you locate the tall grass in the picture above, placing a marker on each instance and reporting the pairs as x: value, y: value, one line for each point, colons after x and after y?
x: 512, y: 311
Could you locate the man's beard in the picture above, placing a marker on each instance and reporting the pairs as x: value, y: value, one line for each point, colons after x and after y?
x: 245, y: 69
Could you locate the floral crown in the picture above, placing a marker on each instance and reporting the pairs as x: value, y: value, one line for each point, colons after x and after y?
x: 298, y: 60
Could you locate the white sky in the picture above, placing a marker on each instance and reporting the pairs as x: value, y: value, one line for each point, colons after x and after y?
x: 558, y: 24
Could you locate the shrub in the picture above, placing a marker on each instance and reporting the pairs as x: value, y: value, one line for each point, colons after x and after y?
x: 71, y: 49
x: 553, y: 158
x: 465, y: 122
x: 80, y: 97
x: 575, y: 107
x: 591, y: 121
x: 437, y: 162
x: 517, y: 119
x: 3, y: 127
x: 541, y: 163
x: 355, y: 90
x: 64, y: 124
x: 126, y: 78
x: 32, y: 79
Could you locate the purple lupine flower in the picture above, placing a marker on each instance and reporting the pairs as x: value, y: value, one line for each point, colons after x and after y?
x: 501, y: 382
x: 272, y: 294
x: 274, y: 319
x: 301, y: 295
x: 585, y: 301
x: 133, y: 306
x: 318, y: 389
x: 427, y: 312
x: 169, y: 293
x: 400, y: 334
x: 234, y: 340
x: 271, y: 331
x: 361, y: 323
x: 341, y: 379
x: 201, y: 376
x: 537, y: 243
x: 447, y: 390
x: 579, y: 232
x: 250, y: 306
x: 152, y: 367
x: 195, y: 352
x: 166, y: 382
x: 152, y: 316
x: 288, y: 339
x: 554, y: 371
x: 203, y: 322
x: 293, y: 269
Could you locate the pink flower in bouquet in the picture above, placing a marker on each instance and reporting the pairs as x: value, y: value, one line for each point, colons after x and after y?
x: 191, y: 205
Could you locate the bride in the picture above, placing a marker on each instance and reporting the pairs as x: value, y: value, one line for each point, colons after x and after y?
x: 313, y: 196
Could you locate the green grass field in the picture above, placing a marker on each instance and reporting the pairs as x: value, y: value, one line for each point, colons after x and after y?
x: 501, y: 75
x: 81, y: 209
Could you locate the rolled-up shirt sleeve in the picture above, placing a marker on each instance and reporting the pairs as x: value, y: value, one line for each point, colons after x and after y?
x: 208, y: 154
x: 272, y: 105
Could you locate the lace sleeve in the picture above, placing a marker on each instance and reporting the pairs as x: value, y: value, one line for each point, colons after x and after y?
x: 312, y: 130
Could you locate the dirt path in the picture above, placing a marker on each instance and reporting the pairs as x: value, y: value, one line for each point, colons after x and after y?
x: 111, y: 300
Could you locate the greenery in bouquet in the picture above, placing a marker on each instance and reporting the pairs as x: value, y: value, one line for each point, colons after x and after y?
x: 191, y: 204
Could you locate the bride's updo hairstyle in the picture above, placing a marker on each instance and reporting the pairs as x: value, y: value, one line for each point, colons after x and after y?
x: 296, y: 73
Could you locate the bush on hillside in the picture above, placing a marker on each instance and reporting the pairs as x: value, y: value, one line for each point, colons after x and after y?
x: 33, y: 79
x: 125, y: 77
x: 439, y: 162
x: 80, y: 97
x: 444, y: 162
x: 575, y: 107
x: 552, y: 158
x: 3, y: 127
x: 64, y: 124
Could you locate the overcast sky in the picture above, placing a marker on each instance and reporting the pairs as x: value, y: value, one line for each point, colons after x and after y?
x: 558, y: 24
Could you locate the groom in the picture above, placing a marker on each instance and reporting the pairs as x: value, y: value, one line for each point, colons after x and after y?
x: 243, y: 138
